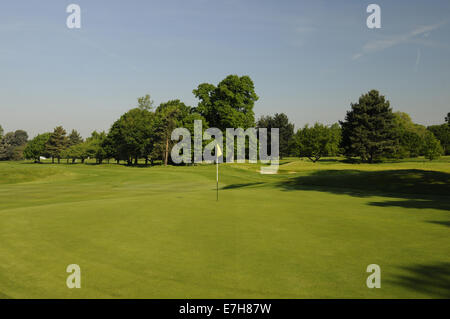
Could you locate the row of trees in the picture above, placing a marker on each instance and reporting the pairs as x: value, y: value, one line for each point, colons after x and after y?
x: 58, y: 145
x: 145, y: 131
x: 371, y: 131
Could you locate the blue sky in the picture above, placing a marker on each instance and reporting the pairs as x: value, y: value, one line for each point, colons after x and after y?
x: 308, y: 59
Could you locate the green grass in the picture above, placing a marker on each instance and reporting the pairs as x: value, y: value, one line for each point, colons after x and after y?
x: 158, y: 232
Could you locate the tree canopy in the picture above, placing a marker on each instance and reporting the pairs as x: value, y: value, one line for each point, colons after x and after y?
x: 132, y: 133
x: 74, y: 138
x: 229, y: 104
x: 442, y: 133
x: 432, y: 148
x: 410, y: 136
x: 368, y: 130
x: 37, y: 147
x: 317, y: 141
x: 57, y: 143
x: 145, y: 102
x: 12, y: 145
x: 286, y: 131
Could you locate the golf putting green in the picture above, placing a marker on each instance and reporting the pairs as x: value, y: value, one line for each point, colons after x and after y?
x: 158, y: 232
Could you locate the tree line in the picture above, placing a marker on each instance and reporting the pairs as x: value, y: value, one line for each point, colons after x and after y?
x: 370, y: 132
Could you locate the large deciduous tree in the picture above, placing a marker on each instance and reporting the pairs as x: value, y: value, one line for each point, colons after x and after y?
x: 410, y: 136
x: 131, y: 134
x: 229, y: 104
x: 78, y: 151
x: 169, y: 116
x: 12, y: 145
x: 368, y: 130
x: 6, y: 148
x: 432, y: 148
x: 442, y: 133
x: 317, y: 141
x: 36, y: 147
x: 95, y: 146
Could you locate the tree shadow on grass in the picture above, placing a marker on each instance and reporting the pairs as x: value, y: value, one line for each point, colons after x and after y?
x: 330, y: 160
x: 414, y: 203
x: 432, y: 280
x: 232, y: 186
x: 440, y: 222
x: 420, y: 188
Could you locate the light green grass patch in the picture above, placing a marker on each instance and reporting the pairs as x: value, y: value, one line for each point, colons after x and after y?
x: 158, y: 232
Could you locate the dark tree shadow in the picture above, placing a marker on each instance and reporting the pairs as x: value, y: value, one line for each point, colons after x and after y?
x: 137, y: 165
x: 284, y: 163
x: 330, y: 160
x: 420, y: 188
x: 440, y: 222
x: 433, y: 280
x: 414, y: 203
x: 232, y: 186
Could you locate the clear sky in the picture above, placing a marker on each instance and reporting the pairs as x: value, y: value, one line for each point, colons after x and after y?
x: 308, y: 59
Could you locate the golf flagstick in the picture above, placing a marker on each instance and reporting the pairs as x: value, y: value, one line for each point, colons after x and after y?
x: 218, y: 153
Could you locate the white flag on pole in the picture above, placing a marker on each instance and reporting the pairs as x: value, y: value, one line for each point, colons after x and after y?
x: 218, y: 152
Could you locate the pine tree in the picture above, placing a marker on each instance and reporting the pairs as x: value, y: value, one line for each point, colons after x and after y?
x: 286, y: 131
x: 368, y: 130
x: 74, y: 138
x: 56, y: 143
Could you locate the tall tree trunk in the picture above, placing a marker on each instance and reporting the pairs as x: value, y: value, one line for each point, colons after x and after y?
x: 59, y: 160
x: 136, y: 160
x: 166, y: 157
x: 146, y: 160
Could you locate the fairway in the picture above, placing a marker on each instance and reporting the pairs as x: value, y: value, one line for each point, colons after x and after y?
x: 158, y: 232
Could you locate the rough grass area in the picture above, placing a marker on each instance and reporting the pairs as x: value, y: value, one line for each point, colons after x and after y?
x: 158, y: 232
